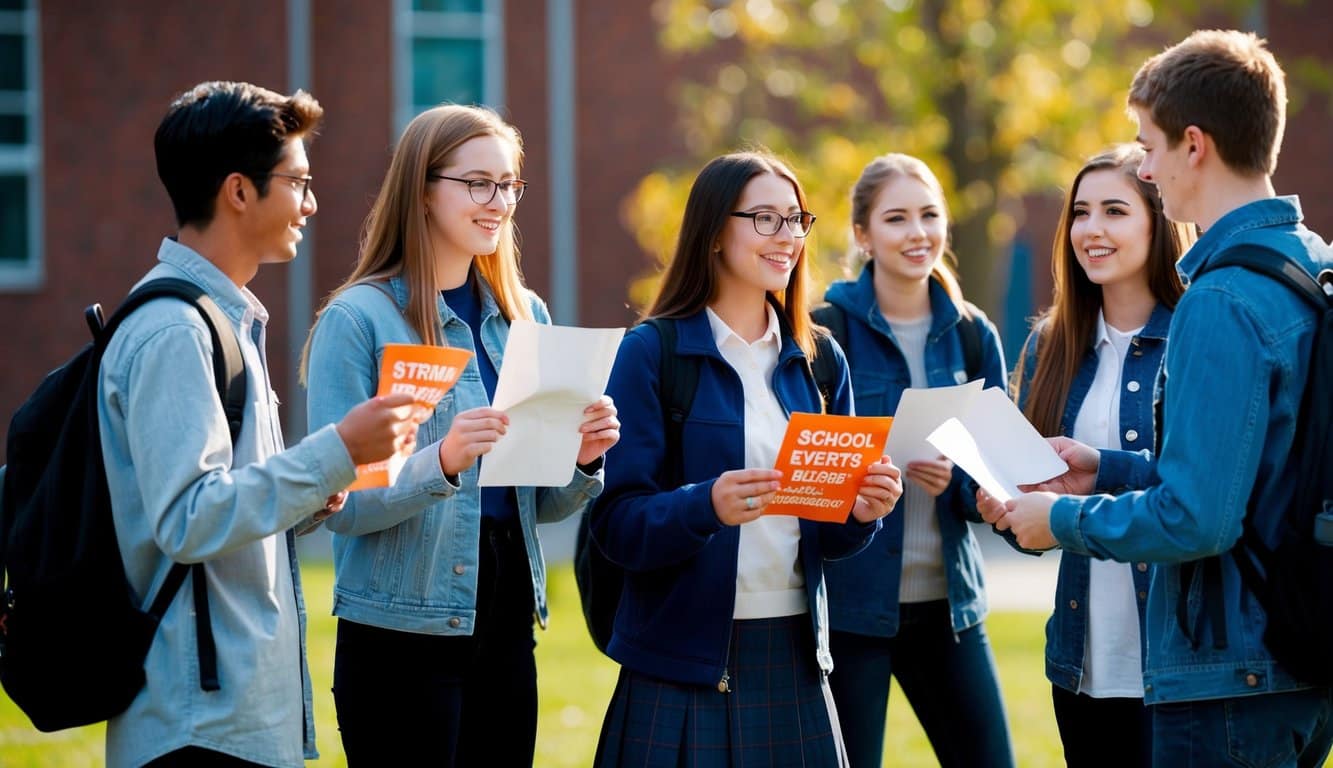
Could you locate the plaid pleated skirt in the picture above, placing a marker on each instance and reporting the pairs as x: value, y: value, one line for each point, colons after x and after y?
x: 779, y: 711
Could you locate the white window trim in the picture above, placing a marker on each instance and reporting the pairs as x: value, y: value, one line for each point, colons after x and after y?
x: 27, y: 159
x: 487, y: 26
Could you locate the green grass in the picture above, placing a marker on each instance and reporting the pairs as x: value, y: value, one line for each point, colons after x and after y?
x: 576, y: 683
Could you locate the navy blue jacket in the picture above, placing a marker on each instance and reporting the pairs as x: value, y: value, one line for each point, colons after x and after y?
x: 1066, y: 631
x: 675, y: 614
x: 863, y: 590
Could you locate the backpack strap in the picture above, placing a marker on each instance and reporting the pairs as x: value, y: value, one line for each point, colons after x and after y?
x: 229, y: 378
x: 1318, y: 292
x: 824, y: 368
x: 969, y: 333
x: 679, y: 378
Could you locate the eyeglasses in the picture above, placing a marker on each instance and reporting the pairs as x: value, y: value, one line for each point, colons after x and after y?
x: 305, y: 183
x: 767, y: 223
x: 483, y: 190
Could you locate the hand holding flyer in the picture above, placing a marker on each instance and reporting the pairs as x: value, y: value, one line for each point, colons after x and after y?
x: 823, y: 460
x: 426, y: 372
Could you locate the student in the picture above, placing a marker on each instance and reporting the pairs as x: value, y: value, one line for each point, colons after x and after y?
x: 911, y: 605
x: 1211, y: 112
x: 721, y: 631
x: 1087, y: 371
x: 232, y: 158
x: 437, y: 579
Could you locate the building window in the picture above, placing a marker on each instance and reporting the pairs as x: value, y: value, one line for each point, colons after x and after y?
x: 447, y: 50
x: 20, y: 147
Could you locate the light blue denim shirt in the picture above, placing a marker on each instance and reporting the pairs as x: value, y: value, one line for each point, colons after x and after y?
x: 406, y: 557
x: 1235, y: 368
x: 181, y: 492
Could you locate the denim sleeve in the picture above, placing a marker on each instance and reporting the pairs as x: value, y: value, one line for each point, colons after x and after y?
x: 1121, y: 471
x: 638, y: 524
x: 343, y: 372
x: 1217, y: 403
x: 198, y: 505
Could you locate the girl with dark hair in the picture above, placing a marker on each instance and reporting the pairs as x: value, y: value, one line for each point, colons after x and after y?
x: 911, y: 605
x: 1087, y: 371
x: 721, y: 631
x: 438, y: 580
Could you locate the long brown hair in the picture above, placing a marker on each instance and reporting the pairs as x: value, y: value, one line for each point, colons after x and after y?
x: 690, y: 281
x: 874, y: 177
x: 395, y: 239
x: 1065, y: 329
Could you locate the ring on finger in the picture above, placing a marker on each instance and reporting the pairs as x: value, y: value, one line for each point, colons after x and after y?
x: 749, y: 502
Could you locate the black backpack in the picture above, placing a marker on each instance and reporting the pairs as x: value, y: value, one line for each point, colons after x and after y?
x: 600, y: 581
x: 1293, y: 580
x: 73, y: 637
x: 834, y: 318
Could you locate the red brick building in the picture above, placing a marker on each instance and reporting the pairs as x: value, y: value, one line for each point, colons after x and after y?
x: 83, y: 86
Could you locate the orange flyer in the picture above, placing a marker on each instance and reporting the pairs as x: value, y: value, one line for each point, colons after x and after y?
x: 823, y: 460
x: 427, y: 373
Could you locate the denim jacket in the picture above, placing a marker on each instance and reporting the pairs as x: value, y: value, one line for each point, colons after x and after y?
x: 863, y: 590
x: 1233, y: 376
x: 406, y: 557
x: 182, y: 492
x: 675, y: 614
x: 1066, y: 631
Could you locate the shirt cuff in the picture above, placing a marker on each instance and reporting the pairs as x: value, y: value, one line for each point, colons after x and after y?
x: 1066, y: 514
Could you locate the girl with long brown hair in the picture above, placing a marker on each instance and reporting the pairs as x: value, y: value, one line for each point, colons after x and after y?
x: 1087, y: 371
x: 721, y: 631
x: 437, y: 580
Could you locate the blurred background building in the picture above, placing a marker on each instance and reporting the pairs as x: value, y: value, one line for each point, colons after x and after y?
x: 606, y: 93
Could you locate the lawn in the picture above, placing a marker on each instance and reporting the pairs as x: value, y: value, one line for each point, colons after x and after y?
x: 576, y: 682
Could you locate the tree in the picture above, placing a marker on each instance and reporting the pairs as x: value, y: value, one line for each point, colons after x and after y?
x: 1002, y: 98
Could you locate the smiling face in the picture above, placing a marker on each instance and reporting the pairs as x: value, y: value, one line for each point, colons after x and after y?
x: 1110, y: 229
x: 751, y: 261
x: 275, y: 227
x: 906, y: 230
x: 459, y: 227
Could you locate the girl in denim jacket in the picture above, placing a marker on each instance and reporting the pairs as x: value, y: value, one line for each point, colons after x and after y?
x: 911, y: 605
x: 721, y: 631
x: 438, y: 581
x: 1087, y: 372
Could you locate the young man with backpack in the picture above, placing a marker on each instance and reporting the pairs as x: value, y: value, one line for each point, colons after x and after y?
x: 232, y: 158
x: 1234, y: 457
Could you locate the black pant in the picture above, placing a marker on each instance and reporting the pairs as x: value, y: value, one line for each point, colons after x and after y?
x: 410, y: 698
x: 1097, y: 732
x: 198, y: 757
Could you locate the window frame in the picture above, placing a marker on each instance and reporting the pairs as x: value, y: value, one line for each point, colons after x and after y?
x: 486, y: 26
x: 25, y: 159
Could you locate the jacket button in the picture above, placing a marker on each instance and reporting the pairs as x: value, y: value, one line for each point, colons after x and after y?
x: 1073, y: 605
x: 1143, y: 567
x: 459, y: 569
x: 1143, y: 595
x: 455, y: 622
x: 1131, y: 435
x: 1133, y: 386
x: 1252, y: 680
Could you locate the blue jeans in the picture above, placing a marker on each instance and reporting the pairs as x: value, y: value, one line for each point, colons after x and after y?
x: 1292, y: 729
x: 949, y: 680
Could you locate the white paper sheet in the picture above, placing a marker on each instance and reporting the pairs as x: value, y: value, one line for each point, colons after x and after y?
x: 550, y: 374
x: 920, y: 412
x: 994, y: 443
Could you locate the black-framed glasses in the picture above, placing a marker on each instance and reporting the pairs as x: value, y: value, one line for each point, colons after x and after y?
x: 483, y: 190
x: 767, y: 223
x: 305, y: 183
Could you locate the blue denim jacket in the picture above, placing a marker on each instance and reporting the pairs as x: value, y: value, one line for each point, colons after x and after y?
x: 1066, y: 631
x: 1235, y: 368
x: 863, y: 590
x: 406, y: 557
x: 182, y: 492
x: 675, y: 614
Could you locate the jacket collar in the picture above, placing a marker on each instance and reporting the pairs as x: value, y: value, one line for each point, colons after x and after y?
x: 1260, y: 214
x: 858, y: 299
x: 235, y: 300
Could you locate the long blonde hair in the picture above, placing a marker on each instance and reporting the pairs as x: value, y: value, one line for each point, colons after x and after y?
x: 396, y: 240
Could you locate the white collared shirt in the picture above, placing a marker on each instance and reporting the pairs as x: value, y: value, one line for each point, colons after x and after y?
x: 769, y: 579
x: 1111, y: 660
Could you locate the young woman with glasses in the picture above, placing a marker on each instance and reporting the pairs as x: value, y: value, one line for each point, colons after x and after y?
x: 721, y: 632
x: 911, y: 605
x: 437, y: 580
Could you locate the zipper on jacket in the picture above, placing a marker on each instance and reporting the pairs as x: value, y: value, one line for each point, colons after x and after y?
x: 724, y: 685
